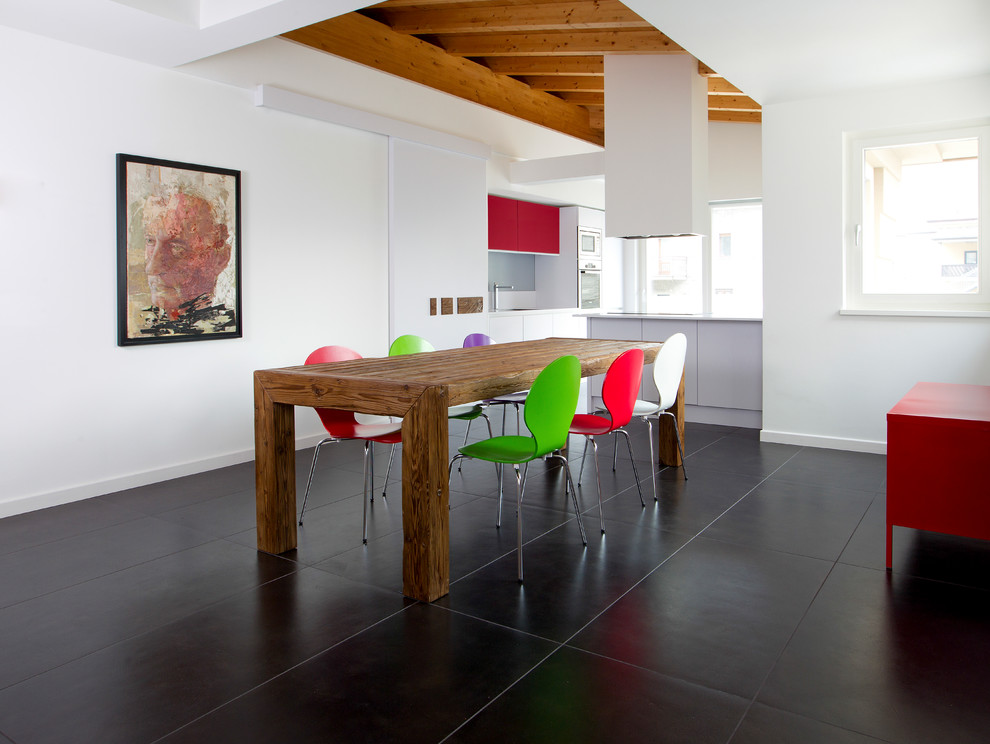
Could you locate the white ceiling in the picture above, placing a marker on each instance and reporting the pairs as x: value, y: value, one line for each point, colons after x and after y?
x: 774, y: 50
x: 781, y: 50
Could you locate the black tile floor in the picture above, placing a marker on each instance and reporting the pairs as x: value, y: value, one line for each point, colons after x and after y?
x: 749, y: 605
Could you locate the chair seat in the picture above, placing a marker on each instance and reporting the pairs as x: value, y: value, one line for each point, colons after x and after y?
x: 512, y: 450
x: 382, y: 433
x: 519, y: 397
x: 589, y: 424
x: 645, y: 408
x: 465, y: 411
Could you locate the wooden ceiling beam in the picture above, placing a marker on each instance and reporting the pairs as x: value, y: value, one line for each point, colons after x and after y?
x: 732, y: 103
x: 721, y: 85
x: 603, y: 14
x: 565, y: 82
x: 589, y: 65
x: 558, y: 43
x: 754, y: 117
x: 582, y: 98
x: 459, y: 3
x: 370, y: 43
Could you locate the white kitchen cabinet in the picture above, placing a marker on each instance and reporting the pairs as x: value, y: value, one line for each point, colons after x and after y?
x: 505, y: 328
x: 568, y: 325
x: 730, y: 364
x: 619, y: 329
x: 661, y: 330
x: 537, y: 326
x: 723, y: 370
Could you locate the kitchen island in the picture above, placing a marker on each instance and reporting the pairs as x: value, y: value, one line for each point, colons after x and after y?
x: 723, y: 375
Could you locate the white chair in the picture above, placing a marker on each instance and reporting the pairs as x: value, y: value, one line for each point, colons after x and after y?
x: 668, y: 369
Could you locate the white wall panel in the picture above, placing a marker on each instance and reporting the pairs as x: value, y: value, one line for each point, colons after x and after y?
x: 314, y: 241
x: 830, y: 379
x: 438, y: 241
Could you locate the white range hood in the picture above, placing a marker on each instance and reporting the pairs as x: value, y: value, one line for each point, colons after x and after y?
x: 656, y: 148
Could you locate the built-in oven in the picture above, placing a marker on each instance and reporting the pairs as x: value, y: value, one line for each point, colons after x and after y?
x: 590, y: 283
x: 589, y: 243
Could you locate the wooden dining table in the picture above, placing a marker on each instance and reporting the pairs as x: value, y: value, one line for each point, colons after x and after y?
x: 418, y: 388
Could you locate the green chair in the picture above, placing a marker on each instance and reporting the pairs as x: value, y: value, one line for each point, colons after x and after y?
x: 548, y: 413
x: 412, y: 344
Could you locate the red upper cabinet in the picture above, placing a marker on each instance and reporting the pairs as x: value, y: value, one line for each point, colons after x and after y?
x: 502, y: 224
x: 523, y: 227
x: 539, y: 228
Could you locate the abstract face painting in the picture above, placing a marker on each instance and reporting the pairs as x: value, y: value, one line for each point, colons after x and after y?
x: 178, y: 251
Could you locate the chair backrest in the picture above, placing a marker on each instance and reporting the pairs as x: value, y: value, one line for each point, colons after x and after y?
x: 621, y: 386
x: 668, y: 369
x: 551, y: 403
x: 409, y: 344
x: 333, y: 419
x: 477, y: 339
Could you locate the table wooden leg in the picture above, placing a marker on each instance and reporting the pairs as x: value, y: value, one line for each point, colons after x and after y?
x: 425, y: 512
x: 668, y: 453
x: 274, y: 471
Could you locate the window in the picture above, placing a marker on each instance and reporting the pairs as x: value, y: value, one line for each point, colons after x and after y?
x: 690, y: 274
x: 737, y: 264
x: 915, y: 205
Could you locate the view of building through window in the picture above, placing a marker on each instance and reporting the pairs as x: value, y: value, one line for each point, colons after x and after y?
x: 737, y: 261
x: 920, y: 216
x: 691, y: 274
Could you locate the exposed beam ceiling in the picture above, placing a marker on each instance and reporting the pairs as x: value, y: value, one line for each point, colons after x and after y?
x: 539, y: 61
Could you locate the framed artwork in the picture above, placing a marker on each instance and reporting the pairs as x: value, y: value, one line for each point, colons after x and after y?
x: 178, y: 251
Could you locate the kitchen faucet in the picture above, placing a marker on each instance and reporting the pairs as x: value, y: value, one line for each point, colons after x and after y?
x: 495, y: 288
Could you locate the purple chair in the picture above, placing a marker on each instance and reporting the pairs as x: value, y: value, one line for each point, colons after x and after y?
x: 513, y: 399
x: 477, y: 339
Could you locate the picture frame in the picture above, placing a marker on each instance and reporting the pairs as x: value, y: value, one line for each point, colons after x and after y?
x: 178, y: 251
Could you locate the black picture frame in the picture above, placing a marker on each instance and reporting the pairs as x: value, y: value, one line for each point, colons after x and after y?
x: 179, y: 252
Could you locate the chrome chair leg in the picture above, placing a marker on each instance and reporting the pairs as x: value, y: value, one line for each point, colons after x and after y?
x: 364, y: 492
x: 584, y: 459
x: 569, y: 485
x: 519, y: 538
x: 388, y: 470
x: 653, y: 463
x: 312, y: 469
x: 598, y: 476
x: 633, y: 461
x: 499, y: 468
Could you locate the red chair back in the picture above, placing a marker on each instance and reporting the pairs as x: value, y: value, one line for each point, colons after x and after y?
x: 336, y: 422
x: 621, y: 386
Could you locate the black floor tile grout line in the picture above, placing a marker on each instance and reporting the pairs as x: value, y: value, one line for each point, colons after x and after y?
x: 147, y: 630
x: 797, y: 626
x: 287, y: 670
x: 612, y: 604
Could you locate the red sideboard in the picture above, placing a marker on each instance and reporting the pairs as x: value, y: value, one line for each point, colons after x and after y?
x: 938, y: 461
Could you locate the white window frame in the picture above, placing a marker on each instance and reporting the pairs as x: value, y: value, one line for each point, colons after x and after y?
x: 855, y: 301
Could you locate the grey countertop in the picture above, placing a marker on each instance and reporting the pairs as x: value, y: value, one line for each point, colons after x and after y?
x: 668, y: 316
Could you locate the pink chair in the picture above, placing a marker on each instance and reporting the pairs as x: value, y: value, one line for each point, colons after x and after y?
x: 342, y: 425
x: 619, y: 393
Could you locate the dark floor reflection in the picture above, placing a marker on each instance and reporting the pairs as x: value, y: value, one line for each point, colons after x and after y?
x: 750, y: 604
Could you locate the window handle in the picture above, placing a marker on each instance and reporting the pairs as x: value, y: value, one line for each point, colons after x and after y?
x: 859, y: 236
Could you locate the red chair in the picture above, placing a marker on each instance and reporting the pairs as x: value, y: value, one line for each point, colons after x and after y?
x: 619, y: 393
x: 342, y: 425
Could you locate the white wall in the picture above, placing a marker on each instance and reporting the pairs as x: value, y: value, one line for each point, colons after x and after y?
x: 735, y: 165
x: 438, y: 241
x: 829, y: 380
x: 83, y: 416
